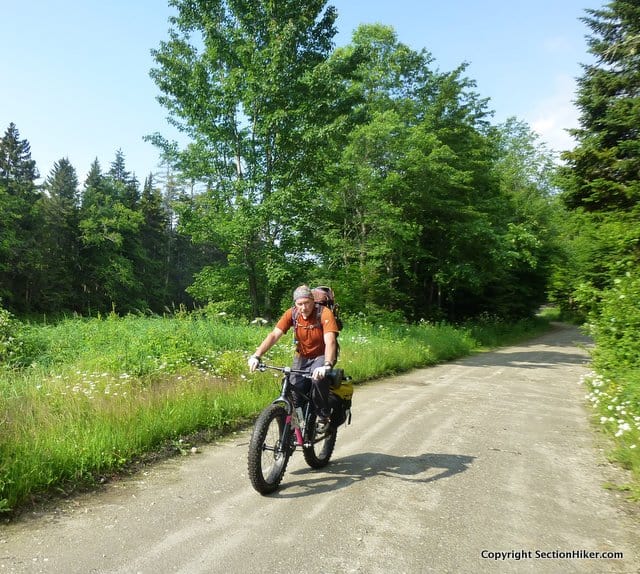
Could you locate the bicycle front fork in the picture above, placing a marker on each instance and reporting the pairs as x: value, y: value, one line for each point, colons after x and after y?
x: 292, y: 422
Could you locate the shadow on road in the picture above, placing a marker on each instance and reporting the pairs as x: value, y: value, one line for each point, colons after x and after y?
x: 346, y: 471
x: 544, y: 352
x: 534, y: 359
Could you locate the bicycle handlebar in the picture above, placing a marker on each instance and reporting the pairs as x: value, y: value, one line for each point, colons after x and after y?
x: 263, y: 367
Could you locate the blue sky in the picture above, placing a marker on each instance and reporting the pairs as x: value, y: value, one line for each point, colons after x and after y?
x: 75, y: 74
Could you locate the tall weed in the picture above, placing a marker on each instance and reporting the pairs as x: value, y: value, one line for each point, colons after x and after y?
x: 94, y: 395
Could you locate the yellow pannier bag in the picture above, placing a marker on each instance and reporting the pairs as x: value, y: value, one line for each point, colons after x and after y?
x: 341, y: 393
x: 344, y: 389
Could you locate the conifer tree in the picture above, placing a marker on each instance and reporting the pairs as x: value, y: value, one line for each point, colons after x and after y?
x: 59, y: 243
x: 125, y: 185
x: 604, y: 168
x: 155, y: 237
x: 20, y: 258
x: 109, y: 247
x: 601, y: 180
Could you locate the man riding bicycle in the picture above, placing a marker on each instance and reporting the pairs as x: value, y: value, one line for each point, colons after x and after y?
x: 315, y: 329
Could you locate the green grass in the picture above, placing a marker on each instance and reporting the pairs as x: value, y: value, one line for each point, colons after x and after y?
x: 87, y: 398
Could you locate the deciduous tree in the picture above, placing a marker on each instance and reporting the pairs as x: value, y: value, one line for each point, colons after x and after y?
x: 236, y: 78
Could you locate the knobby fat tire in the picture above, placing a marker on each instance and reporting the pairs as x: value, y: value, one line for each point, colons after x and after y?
x: 266, y: 466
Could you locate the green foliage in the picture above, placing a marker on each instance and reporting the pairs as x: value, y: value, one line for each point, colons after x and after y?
x: 7, y: 335
x: 615, y: 326
x: 604, y: 167
x: 493, y: 331
x: 600, y: 180
x: 419, y: 182
x: 242, y: 92
x: 87, y: 252
x: 550, y: 313
x: 364, y: 165
x: 140, y: 346
x: 109, y: 229
x: 20, y: 256
x: 601, y: 186
x: 20, y: 344
x: 60, y: 238
x: 615, y: 396
x: 103, y: 393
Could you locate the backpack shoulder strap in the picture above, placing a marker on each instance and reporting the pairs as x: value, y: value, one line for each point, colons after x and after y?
x: 318, y: 314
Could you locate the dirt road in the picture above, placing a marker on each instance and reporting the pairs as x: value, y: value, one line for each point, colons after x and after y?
x: 487, y: 464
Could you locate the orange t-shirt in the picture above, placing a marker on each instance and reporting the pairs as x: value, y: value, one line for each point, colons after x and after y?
x: 310, y: 333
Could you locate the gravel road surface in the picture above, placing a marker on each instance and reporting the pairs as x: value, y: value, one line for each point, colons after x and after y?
x: 486, y: 464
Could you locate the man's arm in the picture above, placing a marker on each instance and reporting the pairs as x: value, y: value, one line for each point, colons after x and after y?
x: 330, y: 348
x: 269, y: 341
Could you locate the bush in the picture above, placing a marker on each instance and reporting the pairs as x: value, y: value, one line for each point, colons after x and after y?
x: 615, y: 387
x: 17, y: 347
x: 7, y: 334
x: 616, y: 326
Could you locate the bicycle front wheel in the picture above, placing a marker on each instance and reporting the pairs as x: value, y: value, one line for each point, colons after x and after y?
x: 268, y: 457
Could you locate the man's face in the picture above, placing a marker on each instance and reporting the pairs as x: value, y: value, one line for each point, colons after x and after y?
x: 304, y: 306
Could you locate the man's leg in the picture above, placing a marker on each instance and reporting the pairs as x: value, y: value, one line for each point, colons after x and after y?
x: 320, y: 391
x: 300, y: 382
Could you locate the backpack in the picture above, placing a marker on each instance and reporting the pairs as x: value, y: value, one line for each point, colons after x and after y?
x: 323, y: 297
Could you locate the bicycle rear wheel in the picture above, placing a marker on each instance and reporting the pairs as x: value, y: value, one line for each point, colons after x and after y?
x: 318, y: 451
x: 268, y: 458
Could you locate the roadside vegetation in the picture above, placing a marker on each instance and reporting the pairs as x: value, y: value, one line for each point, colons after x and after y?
x: 614, y: 386
x: 82, y: 399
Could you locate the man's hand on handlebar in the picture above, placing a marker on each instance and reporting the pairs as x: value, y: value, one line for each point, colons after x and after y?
x: 253, y: 362
x: 320, y: 372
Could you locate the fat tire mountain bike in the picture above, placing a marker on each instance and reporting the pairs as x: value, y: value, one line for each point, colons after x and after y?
x: 281, y: 428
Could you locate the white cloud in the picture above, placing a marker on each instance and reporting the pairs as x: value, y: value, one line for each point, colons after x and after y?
x: 553, y: 115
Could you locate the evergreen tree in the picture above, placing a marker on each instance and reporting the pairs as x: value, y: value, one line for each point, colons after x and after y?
x: 20, y: 258
x: 60, y: 208
x: 16, y: 165
x: 125, y: 185
x: 109, y: 247
x: 601, y: 180
x: 603, y: 169
x: 155, y: 237
x: 94, y: 186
